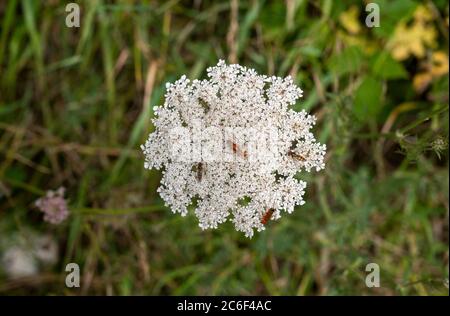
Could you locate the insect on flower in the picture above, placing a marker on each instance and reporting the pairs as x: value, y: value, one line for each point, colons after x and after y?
x: 296, y: 156
x: 267, y: 216
x: 237, y: 150
x: 199, y: 170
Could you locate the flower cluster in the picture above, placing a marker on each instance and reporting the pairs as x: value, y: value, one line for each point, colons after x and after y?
x: 259, y: 181
x: 54, y: 206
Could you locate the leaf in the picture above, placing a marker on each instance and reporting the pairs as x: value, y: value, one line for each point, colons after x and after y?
x: 15, y: 173
x: 348, y: 61
x: 310, y: 51
x: 385, y: 67
x: 367, y: 103
x: 246, y: 25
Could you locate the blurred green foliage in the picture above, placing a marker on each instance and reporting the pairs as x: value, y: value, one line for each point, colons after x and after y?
x: 75, y: 104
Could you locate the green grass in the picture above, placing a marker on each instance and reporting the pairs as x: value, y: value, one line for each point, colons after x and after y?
x: 75, y: 104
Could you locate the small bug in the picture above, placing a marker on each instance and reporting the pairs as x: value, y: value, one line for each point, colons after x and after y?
x: 267, y: 216
x: 199, y: 170
x: 237, y: 150
x: 296, y: 156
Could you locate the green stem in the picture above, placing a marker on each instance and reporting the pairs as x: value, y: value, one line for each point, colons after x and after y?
x: 122, y: 211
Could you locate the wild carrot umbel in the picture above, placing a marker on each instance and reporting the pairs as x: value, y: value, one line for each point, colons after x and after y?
x: 232, y: 138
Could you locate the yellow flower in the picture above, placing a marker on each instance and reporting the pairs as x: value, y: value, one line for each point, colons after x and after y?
x: 349, y: 20
x: 423, y: 14
x: 421, y: 81
x: 436, y: 67
x: 414, y: 39
x: 439, y: 64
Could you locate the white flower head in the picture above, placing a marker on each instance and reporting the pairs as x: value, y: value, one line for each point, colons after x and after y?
x: 230, y: 146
